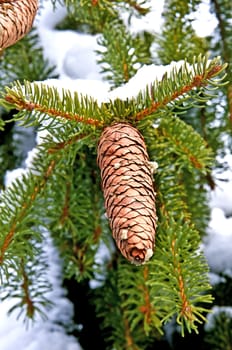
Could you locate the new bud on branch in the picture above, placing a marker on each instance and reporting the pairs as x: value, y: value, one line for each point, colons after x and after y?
x: 16, y: 19
x: 127, y: 185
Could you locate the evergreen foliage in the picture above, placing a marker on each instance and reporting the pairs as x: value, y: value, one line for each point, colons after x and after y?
x: 61, y: 191
x: 122, y: 57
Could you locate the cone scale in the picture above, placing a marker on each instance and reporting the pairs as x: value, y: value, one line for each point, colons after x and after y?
x: 129, y: 195
x: 16, y: 19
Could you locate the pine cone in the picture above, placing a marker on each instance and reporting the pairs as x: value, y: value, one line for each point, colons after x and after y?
x: 128, y: 191
x: 16, y: 19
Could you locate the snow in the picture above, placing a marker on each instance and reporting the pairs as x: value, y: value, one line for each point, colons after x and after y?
x: 72, y: 53
x: 75, y: 58
x: 218, y: 245
x: 204, y: 25
x: 96, y: 89
x: 144, y: 77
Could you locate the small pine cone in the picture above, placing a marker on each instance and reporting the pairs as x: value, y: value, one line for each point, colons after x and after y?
x: 16, y: 19
x: 128, y: 191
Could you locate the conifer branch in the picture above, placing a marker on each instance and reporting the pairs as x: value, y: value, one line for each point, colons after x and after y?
x: 27, y: 282
x: 185, y: 142
x: 27, y: 201
x: 188, y: 281
x: 46, y: 101
x: 188, y: 86
x: 184, y: 258
x: 21, y: 104
x: 26, y: 194
x: 78, y: 212
x: 137, y: 300
x: 178, y: 90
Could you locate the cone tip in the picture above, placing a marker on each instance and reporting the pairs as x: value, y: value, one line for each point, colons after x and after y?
x: 140, y: 256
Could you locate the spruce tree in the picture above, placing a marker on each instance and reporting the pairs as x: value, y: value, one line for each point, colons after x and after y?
x: 173, y: 123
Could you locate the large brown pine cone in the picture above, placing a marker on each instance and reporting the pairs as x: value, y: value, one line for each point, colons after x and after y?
x: 16, y: 19
x: 128, y: 191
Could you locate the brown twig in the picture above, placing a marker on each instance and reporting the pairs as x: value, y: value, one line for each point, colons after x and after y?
x: 27, y: 299
x: 186, y: 309
x: 146, y: 309
x: 128, y: 337
x: 65, y: 209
